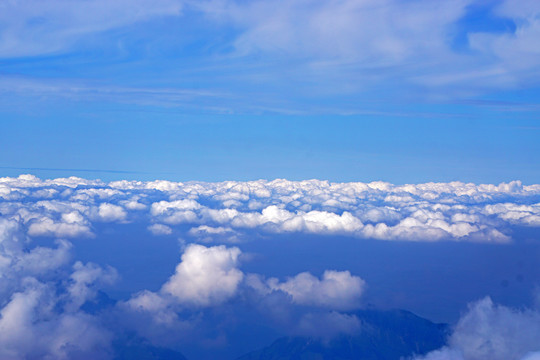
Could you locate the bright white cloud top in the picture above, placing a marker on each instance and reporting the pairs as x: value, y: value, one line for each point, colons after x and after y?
x: 205, y: 275
x: 378, y: 210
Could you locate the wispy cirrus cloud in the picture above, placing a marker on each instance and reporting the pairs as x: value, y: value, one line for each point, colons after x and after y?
x: 334, y: 49
x: 410, y: 42
x: 34, y: 28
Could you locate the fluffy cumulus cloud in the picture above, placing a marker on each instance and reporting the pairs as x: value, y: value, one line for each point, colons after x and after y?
x: 41, y: 315
x: 43, y: 293
x: 494, y: 332
x: 229, y: 210
x: 110, y: 212
x: 48, y: 227
x: 336, y: 289
x: 159, y: 229
x: 209, y: 277
x: 205, y: 275
x: 31, y: 326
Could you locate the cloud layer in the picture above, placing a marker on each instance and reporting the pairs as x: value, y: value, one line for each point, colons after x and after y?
x: 227, y: 210
x: 53, y: 305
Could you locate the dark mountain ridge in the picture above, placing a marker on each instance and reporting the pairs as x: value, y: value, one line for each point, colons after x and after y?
x: 384, y: 335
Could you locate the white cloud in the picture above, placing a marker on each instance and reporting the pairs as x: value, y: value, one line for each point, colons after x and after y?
x: 33, y: 325
x: 162, y: 207
x: 41, y: 259
x: 176, y: 212
x: 133, y: 204
x: 516, y: 52
x: 18, y: 261
x: 31, y: 181
x: 345, y: 40
x: 159, y: 229
x: 492, y: 332
x: 110, y: 212
x: 48, y: 227
x: 34, y: 28
x: 209, y: 276
x: 414, y: 212
x: 205, y: 276
x: 352, y: 30
x: 336, y: 290
x: 205, y: 233
x: 41, y: 298
x: 85, y: 280
x: 204, y: 229
x: 151, y: 302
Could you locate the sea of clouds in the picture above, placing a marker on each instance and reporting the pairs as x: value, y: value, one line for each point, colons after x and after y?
x: 54, y: 306
x: 423, y: 212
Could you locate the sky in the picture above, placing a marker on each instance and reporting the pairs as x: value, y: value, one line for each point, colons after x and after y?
x: 400, y: 91
x: 205, y: 177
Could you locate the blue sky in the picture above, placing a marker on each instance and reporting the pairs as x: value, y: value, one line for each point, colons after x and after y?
x: 402, y: 91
